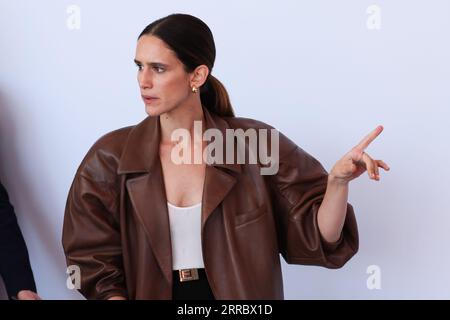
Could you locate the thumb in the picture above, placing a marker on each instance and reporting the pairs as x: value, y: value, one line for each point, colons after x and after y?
x: 27, y: 295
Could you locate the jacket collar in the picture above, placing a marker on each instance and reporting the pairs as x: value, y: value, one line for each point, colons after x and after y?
x: 141, y: 151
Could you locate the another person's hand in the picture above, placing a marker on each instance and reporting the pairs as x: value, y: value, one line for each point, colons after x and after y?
x: 356, y: 161
x: 28, y: 295
x: 117, y: 298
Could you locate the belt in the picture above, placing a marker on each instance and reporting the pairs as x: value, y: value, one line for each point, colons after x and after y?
x: 188, y: 274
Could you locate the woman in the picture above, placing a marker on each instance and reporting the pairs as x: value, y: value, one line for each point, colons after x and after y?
x: 141, y: 225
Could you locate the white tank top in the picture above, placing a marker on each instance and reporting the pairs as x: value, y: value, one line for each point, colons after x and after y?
x: 185, y: 233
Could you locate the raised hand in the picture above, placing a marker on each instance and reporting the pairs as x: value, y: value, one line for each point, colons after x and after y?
x: 356, y: 161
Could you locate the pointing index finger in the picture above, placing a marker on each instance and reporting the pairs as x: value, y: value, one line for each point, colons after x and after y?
x: 369, y: 138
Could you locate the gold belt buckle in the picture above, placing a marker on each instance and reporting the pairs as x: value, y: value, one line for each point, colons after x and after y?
x: 188, y: 274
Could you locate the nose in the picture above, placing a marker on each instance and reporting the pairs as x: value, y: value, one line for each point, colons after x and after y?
x: 145, y: 79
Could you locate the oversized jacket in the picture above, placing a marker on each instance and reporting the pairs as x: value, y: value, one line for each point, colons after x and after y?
x: 116, y: 225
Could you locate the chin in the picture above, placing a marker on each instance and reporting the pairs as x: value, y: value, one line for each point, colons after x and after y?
x: 154, y: 110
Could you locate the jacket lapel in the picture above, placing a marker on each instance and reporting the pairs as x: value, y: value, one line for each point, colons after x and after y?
x: 140, y: 159
x: 216, y: 186
x: 149, y: 201
x: 219, y: 178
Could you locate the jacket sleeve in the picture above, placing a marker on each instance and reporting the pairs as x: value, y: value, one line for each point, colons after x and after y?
x: 91, y: 234
x: 297, y: 190
x: 15, y: 267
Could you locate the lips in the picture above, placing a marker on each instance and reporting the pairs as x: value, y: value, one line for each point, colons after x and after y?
x: 148, y: 99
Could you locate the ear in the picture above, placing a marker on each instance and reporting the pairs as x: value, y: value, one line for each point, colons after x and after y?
x: 199, y: 76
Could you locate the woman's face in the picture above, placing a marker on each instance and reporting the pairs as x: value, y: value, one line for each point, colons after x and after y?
x: 163, y: 82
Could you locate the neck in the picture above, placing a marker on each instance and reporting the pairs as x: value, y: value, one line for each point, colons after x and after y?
x: 182, y: 117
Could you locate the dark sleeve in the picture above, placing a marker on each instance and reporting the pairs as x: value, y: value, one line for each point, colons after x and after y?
x: 298, y: 189
x: 15, y: 265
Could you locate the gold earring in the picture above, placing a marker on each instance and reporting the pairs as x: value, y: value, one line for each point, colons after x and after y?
x: 194, y: 89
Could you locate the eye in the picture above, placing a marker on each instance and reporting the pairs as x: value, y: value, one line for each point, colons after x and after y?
x: 139, y: 67
x: 159, y: 69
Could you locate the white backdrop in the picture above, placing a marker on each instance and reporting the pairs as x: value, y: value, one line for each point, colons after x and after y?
x: 325, y: 73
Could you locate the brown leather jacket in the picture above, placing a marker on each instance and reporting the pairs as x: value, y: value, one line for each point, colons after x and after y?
x: 116, y: 226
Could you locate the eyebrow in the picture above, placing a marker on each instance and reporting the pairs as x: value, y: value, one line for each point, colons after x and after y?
x: 153, y: 64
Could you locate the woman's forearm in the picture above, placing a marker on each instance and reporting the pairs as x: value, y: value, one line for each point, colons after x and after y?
x: 332, y: 211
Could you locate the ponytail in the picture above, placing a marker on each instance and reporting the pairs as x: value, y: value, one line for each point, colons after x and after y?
x: 214, y: 96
